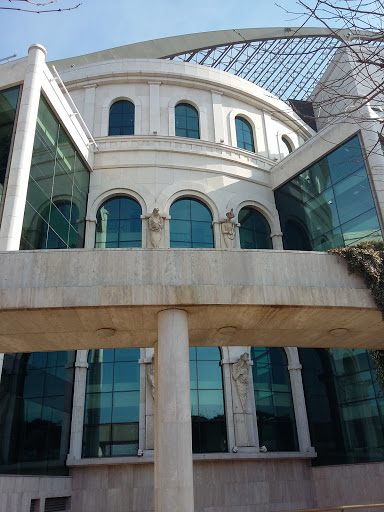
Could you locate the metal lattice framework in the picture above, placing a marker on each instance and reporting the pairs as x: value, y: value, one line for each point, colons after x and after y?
x: 288, y: 68
x: 287, y: 62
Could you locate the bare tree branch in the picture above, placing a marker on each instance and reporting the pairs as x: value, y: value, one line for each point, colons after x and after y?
x: 36, y: 10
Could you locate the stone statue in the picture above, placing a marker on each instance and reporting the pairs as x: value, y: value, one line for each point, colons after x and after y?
x: 151, y: 376
x: 229, y: 231
x: 156, y: 225
x: 240, y: 374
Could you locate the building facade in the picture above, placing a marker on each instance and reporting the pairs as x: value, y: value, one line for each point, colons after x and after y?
x: 150, y: 355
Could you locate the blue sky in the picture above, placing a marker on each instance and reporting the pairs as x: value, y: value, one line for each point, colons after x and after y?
x: 101, y: 24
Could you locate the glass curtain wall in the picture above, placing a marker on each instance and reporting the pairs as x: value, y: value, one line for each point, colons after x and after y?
x: 8, y: 106
x: 255, y: 232
x: 56, y: 203
x: 111, y: 421
x: 35, y: 412
x: 209, y: 432
x: 330, y: 204
x: 191, y: 224
x: 118, y: 223
x: 344, y: 404
x: 273, y: 397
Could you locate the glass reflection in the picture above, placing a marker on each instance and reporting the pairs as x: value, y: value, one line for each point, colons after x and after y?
x: 330, y: 204
x: 186, y: 121
x: 54, y: 217
x: 111, y: 421
x: 273, y: 397
x: 207, y: 401
x: 344, y: 405
x: 118, y: 223
x: 255, y: 232
x: 191, y: 224
x: 122, y: 118
x: 8, y: 106
x: 35, y: 407
x: 244, y: 134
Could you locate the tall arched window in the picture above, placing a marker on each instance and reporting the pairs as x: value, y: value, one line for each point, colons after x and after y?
x: 122, y: 118
x: 191, y: 224
x: 287, y: 143
x: 118, y: 223
x: 255, y: 232
x: 244, y: 134
x: 111, y: 419
x: 209, y: 432
x: 273, y: 398
x: 344, y: 404
x: 186, y: 121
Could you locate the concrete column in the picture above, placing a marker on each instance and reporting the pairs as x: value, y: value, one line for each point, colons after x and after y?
x: 227, y: 387
x: 89, y: 105
x: 16, y: 193
x: 154, y: 108
x: 218, y: 120
x: 277, y: 241
x: 298, y: 397
x: 90, y: 232
x: 81, y: 367
x: 173, y: 432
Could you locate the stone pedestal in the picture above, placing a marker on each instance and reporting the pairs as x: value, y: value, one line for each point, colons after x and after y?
x: 173, y: 433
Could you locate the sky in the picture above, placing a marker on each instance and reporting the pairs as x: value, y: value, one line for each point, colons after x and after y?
x: 101, y: 24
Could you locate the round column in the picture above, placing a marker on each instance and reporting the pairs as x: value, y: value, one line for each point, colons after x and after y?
x: 299, y: 406
x: 173, y: 432
x: 16, y: 192
x: 76, y: 439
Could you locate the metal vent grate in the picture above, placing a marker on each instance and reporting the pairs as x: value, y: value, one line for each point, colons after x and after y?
x: 56, y: 504
x: 34, y: 506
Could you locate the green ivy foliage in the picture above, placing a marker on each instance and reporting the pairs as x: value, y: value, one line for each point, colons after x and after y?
x: 367, y: 260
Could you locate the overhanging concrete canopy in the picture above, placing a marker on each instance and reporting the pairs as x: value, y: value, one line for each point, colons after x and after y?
x: 57, y: 300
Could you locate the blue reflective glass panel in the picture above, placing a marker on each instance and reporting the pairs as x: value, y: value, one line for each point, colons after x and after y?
x: 115, y: 374
x: 122, y: 118
x: 273, y: 398
x: 255, y: 232
x: 330, y: 204
x: 207, y: 400
x: 186, y: 121
x: 191, y: 224
x: 244, y: 134
x: 118, y: 224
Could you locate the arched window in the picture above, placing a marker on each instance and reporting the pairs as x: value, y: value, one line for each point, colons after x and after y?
x: 191, y: 224
x: 118, y: 223
x: 186, y: 121
x: 273, y: 398
x: 209, y: 432
x: 111, y: 419
x: 122, y: 118
x: 287, y: 143
x: 255, y: 232
x: 344, y: 405
x: 244, y: 134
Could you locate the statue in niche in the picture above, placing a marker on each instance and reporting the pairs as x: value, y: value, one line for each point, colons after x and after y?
x: 229, y: 230
x: 151, y: 376
x: 240, y: 374
x: 156, y: 225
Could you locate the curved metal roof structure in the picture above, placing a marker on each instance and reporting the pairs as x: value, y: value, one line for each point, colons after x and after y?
x: 288, y: 62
